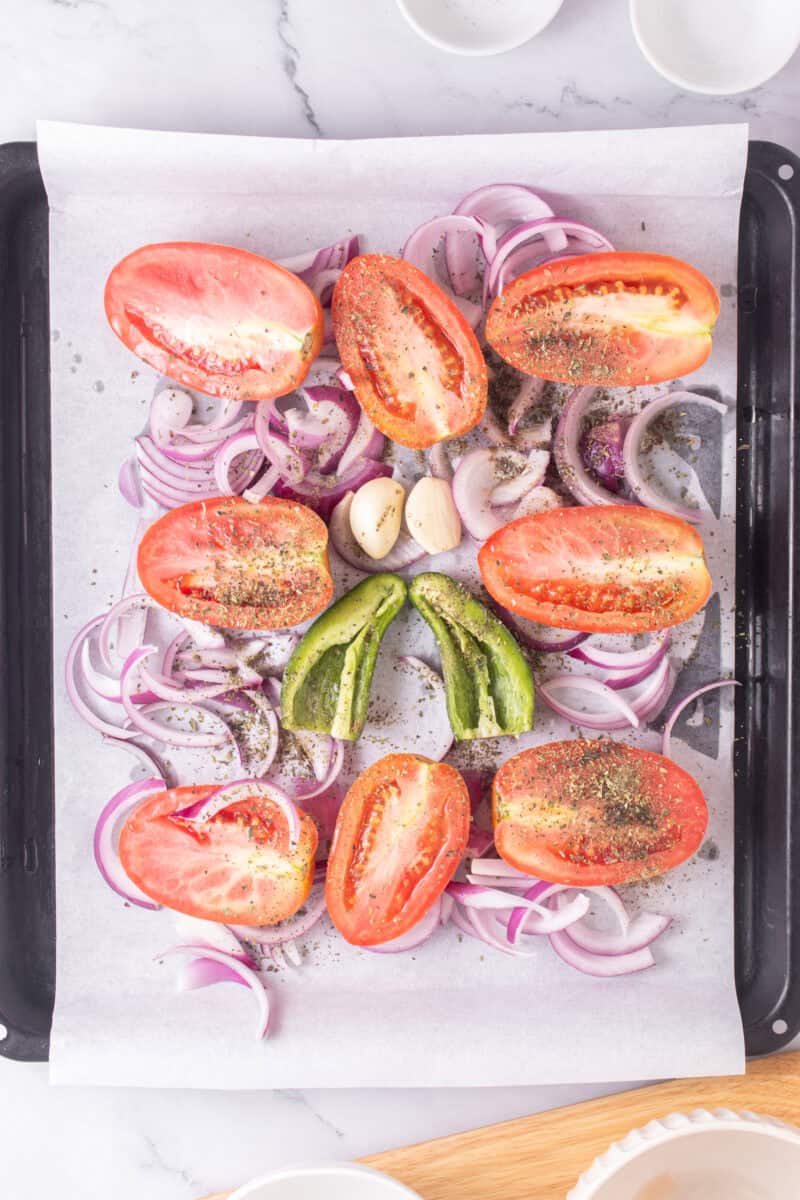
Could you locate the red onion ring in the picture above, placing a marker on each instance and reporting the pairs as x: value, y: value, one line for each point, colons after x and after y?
x: 511, y: 491
x: 495, y: 204
x: 243, y: 789
x: 538, y: 918
x: 602, y: 966
x: 129, y: 603
x: 637, y: 934
x: 592, y: 687
x: 567, y: 454
x: 76, y: 699
x: 243, y: 442
x: 632, y: 445
x: 290, y: 930
x: 404, y: 552
x: 625, y: 660
x: 140, y: 718
x: 104, y: 842
x: 551, y: 641
x: 414, y: 937
x: 475, y: 479
x: 234, y: 968
x: 439, y: 461
x: 128, y: 483
x: 666, y: 745
x: 513, y: 248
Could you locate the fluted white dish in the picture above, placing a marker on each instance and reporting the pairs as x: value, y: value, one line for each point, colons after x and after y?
x: 702, y: 1155
x: 324, y: 1181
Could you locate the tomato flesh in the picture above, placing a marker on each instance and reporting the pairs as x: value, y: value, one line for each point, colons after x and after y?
x: 400, y: 835
x: 595, y: 812
x: 239, y: 565
x: 222, y: 320
x: 416, y: 365
x: 604, y: 569
x: 236, y: 867
x: 612, y: 320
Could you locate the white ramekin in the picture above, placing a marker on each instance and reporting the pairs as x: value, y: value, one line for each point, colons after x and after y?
x: 324, y: 1181
x: 719, y: 1155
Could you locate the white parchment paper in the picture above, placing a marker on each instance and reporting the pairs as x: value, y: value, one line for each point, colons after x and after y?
x: 452, y: 1013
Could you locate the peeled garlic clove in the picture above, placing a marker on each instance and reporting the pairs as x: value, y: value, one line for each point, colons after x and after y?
x: 432, y: 517
x: 376, y: 515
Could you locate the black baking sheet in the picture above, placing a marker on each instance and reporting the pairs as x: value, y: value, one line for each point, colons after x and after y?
x: 767, y: 749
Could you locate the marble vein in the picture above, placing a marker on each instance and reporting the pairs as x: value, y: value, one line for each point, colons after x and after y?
x: 290, y: 62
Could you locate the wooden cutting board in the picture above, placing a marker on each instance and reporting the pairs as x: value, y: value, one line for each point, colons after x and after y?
x: 541, y: 1157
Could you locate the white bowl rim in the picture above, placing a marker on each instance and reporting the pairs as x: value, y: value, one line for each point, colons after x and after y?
x: 498, y: 47
x: 696, y: 1123
x: 308, y: 1170
x: 682, y: 81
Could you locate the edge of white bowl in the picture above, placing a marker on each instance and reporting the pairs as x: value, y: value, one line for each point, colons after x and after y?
x: 676, y: 1125
x: 308, y: 1170
x: 690, y: 85
x: 488, y: 48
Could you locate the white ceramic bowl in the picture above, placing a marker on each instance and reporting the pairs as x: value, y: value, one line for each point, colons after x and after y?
x: 719, y: 1155
x: 324, y: 1181
x: 478, y: 26
x: 717, y: 46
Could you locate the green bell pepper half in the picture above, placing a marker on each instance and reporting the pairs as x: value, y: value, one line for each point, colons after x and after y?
x: 327, y: 680
x: 488, y: 682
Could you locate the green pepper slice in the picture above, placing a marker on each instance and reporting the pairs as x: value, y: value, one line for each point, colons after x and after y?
x: 327, y: 680
x: 488, y: 682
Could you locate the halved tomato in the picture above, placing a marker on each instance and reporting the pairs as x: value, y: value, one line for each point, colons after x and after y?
x: 401, y: 832
x: 236, y: 867
x: 614, y: 319
x: 240, y: 565
x: 416, y: 365
x: 595, y: 812
x: 602, y: 569
x: 225, y: 321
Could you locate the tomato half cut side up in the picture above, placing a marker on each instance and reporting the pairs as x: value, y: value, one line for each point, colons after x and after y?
x: 236, y: 867
x: 600, y: 569
x: 401, y: 832
x: 611, y: 319
x: 415, y: 363
x: 239, y: 565
x: 588, y: 813
x: 222, y: 320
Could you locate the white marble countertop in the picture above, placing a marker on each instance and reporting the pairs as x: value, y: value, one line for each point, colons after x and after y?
x: 297, y: 68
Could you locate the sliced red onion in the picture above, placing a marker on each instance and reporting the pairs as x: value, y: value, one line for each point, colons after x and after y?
x: 601, y: 451
x: 165, y: 689
x: 538, y: 499
x: 666, y: 745
x: 304, y: 789
x: 414, y: 937
x: 637, y: 934
x: 567, y: 453
x: 335, y: 414
x: 484, y: 925
x: 105, y: 839
x: 140, y: 717
x: 537, y: 917
x: 168, y: 496
x: 324, y: 492
x: 290, y: 930
x: 496, y: 204
x: 195, y: 973
x: 601, y: 965
x: 366, y: 442
x: 500, y: 881
x: 526, y: 246
x: 322, y: 804
x: 477, y: 896
x: 421, y: 246
x: 510, y: 491
x: 615, y: 704
x: 474, y: 481
x: 243, y: 442
x: 540, y: 638
x: 128, y: 483
x: 439, y: 460
x: 219, y: 425
x: 73, y: 692
x: 253, y: 726
x: 234, y: 969
x: 263, y: 486
x: 404, y: 552
x: 293, y: 463
x: 446, y: 906
x: 625, y: 660
x: 196, y: 932
x: 631, y: 451
x: 167, y: 470
x: 499, y: 867
x: 477, y: 782
x: 144, y: 757
x: 312, y: 263
x: 170, y: 411
x: 245, y: 789
x: 133, y: 602
x: 105, y: 687
x: 479, y: 842
x: 530, y: 393
x: 204, y: 636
